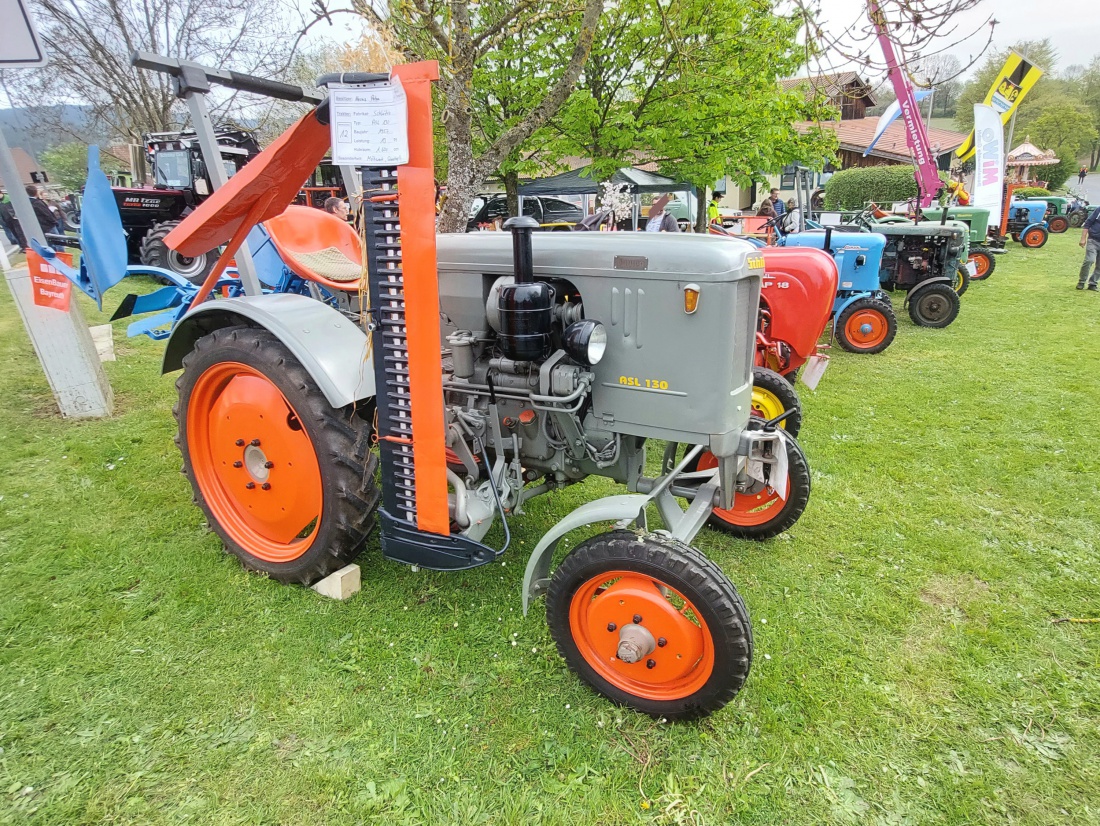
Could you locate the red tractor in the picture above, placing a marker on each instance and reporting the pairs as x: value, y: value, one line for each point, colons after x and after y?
x: 180, y: 183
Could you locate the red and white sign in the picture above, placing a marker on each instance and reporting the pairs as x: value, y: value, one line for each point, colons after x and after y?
x: 48, y: 286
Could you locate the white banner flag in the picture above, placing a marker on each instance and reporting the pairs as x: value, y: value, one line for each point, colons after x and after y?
x: 989, y: 162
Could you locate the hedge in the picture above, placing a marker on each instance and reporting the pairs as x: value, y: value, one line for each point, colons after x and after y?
x: 852, y: 189
x: 1031, y: 192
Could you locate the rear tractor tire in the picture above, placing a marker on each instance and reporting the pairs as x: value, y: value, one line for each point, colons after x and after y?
x: 771, y: 395
x: 763, y: 513
x: 867, y: 325
x: 1058, y: 224
x: 936, y: 305
x: 284, y: 479
x: 155, y: 253
x: 984, y: 263
x: 650, y: 623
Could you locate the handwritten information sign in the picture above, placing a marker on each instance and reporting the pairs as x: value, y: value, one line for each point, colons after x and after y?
x: 370, y: 125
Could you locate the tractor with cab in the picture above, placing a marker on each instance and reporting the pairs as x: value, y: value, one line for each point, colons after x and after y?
x: 180, y: 183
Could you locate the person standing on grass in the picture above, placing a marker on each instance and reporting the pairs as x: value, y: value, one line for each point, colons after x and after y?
x: 1090, y: 240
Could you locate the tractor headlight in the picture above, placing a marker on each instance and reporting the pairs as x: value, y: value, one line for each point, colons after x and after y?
x: 585, y: 341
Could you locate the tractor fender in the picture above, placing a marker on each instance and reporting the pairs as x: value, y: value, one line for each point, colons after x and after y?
x: 623, y: 507
x: 840, y: 308
x: 332, y: 348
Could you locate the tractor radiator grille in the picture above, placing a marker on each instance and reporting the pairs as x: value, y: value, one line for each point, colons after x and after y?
x: 746, y: 304
x: 390, y: 343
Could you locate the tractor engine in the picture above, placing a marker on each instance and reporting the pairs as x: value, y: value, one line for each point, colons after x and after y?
x: 564, y: 353
x: 931, y: 251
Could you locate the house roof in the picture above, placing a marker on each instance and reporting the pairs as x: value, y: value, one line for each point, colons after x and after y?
x: 834, y: 85
x: 1028, y: 154
x: 855, y: 136
x: 25, y: 164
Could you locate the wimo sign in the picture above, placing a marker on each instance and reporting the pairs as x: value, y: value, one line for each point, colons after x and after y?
x: 989, y: 162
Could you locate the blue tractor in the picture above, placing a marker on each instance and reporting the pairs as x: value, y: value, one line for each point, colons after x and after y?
x: 1026, y: 222
x: 863, y: 317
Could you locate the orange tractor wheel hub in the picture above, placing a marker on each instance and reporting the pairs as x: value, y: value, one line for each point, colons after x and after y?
x: 623, y: 615
x: 254, y: 463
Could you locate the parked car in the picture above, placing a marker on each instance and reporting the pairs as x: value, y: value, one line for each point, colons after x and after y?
x: 551, y: 213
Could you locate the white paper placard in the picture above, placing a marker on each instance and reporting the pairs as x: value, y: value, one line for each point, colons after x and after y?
x: 370, y: 124
x: 814, y: 370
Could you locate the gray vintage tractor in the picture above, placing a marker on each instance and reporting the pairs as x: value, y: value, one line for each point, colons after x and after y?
x: 471, y: 373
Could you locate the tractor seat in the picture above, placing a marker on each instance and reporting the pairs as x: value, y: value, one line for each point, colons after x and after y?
x: 329, y: 263
x: 317, y: 246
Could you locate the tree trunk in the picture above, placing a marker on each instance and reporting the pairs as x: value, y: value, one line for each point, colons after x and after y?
x: 511, y: 188
x: 701, y: 203
x: 1094, y: 161
x: 462, y: 182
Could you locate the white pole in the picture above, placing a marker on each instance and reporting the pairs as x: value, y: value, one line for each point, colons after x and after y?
x: 61, y: 340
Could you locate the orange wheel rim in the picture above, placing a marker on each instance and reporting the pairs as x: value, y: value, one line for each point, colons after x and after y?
x: 605, y: 603
x: 866, y: 328
x: 1034, y: 237
x: 749, y: 509
x: 980, y: 262
x: 254, y: 463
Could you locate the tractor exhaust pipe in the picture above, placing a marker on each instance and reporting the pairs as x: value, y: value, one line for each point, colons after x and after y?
x: 523, y: 262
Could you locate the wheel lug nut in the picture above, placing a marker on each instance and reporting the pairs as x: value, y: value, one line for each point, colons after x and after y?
x: 269, y: 465
x: 650, y: 663
x: 255, y: 442
x: 611, y: 626
x: 661, y: 642
x: 240, y: 443
x: 238, y: 464
x: 265, y: 486
x: 250, y: 485
x: 637, y: 619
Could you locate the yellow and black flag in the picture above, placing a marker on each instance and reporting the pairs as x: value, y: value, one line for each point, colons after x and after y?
x: 1014, y: 81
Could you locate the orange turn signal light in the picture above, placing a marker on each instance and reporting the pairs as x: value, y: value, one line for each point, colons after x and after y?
x: 691, y: 298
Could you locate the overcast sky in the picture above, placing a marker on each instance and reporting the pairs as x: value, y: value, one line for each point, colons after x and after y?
x: 1073, y: 26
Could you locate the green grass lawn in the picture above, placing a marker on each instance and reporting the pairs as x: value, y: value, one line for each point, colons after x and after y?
x: 907, y: 668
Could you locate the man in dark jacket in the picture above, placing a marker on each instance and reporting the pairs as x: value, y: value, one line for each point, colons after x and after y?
x: 46, y: 219
x: 1090, y: 240
x: 10, y: 222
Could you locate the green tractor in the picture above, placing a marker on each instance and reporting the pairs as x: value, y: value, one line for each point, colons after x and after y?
x: 983, y: 248
x: 1058, y: 210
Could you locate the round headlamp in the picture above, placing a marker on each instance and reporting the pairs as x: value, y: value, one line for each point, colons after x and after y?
x: 585, y: 341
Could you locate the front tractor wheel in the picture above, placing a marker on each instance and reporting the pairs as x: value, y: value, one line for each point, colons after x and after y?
x: 1034, y: 238
x: 772, y: 395
x: 762, y: 513
x: 984, y: 264
x: 650, y: 623
x: 962, y: 280
x: 1058, y: 224
x: 867, y: 325
x: 285, y: 480
x: 155, y: 253
x: 936, y: 305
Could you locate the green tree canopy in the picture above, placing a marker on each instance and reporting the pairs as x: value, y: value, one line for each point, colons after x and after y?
x: 67, y: 164
x: 693, y: 86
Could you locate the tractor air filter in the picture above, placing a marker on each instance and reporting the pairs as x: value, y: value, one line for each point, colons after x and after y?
x: 525, y: 319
